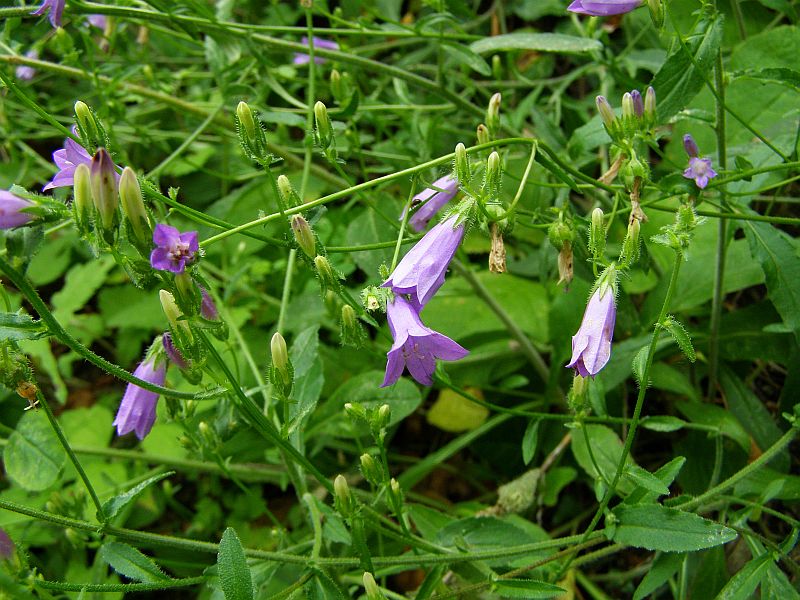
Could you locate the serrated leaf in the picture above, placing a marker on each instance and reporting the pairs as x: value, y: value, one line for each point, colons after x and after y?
x: 681, y: 337
x: 33, y: 456
x: 128, y: 561
x: 19, y: 326
x: 538, y: 42
x: 530, y: 441
x: 112, y: 507
x: 683, y: 74
x: 646, y: 479
x: 742, y: 585
x: 657, y: 527
x: 234, y: 572
x: 526, y: 588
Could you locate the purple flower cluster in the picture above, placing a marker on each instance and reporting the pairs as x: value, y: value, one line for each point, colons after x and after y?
x: 434, y: 198
x: 420, y: 274
x: 174, y: 250
x: 603, y: 8
x: 304, y: 59
x: 699, y: 169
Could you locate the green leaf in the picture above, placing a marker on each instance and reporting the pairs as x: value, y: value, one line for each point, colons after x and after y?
x: 530, y: 440
x: 526, y: 588
x: 322, y: 587
x: 112, y: 507
x: 466, y: 56
x: 778, y: 256
x: 776, y: 586
x: 716, y: 416
x: 19, y: 326
x: 665, y: 475
x: 664, y: 566
x: 308, y: 374
x: 639, y: 364
x: 646, y: 479
x: 781, y: 75
x: 683, y: 73
x: 664, y: 424
x: 80, y: 284
x: 681, y: 337
x: 128, y: 561
x: 538, y: 42
x: 403, y: 397
x: 33, y: 456
x: 234, y: 572
x: 656, y: 527
x: 742, y: 585
x: 607, y: 450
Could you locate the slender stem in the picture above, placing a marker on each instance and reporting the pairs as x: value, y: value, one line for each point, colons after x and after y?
x: 524, y: 179
x: 71, y: 454
x: 401, y: 233
x: 119, y: 587
x: 287, y: 290
x: 316, y: 524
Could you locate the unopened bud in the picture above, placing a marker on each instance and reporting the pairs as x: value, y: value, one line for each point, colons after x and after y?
x: 336, y: 84
x: 559, y: 232
x: 462, y: 169
x: 280, y: 357
x: 246, y: 121
x: 133, y: 207
x: 497, y: 67
x: 104, y: 192
x: 328, y: 278
x: 606, y: 113
x: 371, y: 588
x: 627, y: 106
x: 188, y: 294
x: 180, y: 326
x: 656, y: 12
x: 303, y: 235
x: 384, y: 416
x: 650, y: 106
x: 630, y: 246
x: 597, y: 234
x: 87, y: 124
x: 208, y: 309
x: 287, y: 191
x: 638, y: 104
x: 483, y: 134
x: 82, y: 194
x: 493, y: 114
x: 324, y: 126
x: 370, y: 469
x: 690, y: 146
x: 343, y: 497
x: 355, y: 411
x: 565, y: 263
x: 352, y: 332
x: 173, y: 353
x: 493, y: 177
x: 397, y: 491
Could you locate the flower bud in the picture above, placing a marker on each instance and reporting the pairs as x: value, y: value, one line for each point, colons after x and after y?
x: 630, y: 245
x: 336, y: 84
x: 208, y: 310
x: 493, y: 177
x: 303, y: 235
x: 396, y: 490
x: 188, y: 294
x: 324, y: 127
x: 384, y: 416
x: 104, y: 193
x: 139, y: 228
x: 462, y: 169
x: 628, y: 111
x: 288, y: 192
x: 370, y: 469
x: 355, y: 411
x: 597, y: 235
x: 328, y: 278
x: 246, y: 122
x: 650, y: 107
x: 483, y: 134
x: 343, y: 498
x: 371, y: 588
x: 87, y: 124
x: 351, y: 330
x: 606, y: 113
x: 493, y: 114
x: 172, y: 352
x: 690, y: 146
x: 82, y: 198
x: 280, y: 357
x: 180, y: 326
x: 638, y: 104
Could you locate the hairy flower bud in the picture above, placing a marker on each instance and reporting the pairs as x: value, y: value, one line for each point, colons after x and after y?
x: 343, y: 499
x: 597, y: 235
x: 606, y: 113
x: 246, y: 121
x: 104, y: 193
x: 630, y: 246
x: 139, y: 229
x: 628, y: 111
x: 328, y: 277
x: 638, y: 104
x: 88, y: 126
x: 82, y: 198
x: 656, y: 12
x: 493, y: 114
x: 371, y: 588
x: 650, y: 107
x: 493, y: 177
x: 483, y: 134
x: 179, y: 325
x: 370, y: 469
x: 462, y: 169
x: 303, y: 235
x: 324, y: 128
x: 351, y: 330
x: 280, y: 356
x: 287, y: 191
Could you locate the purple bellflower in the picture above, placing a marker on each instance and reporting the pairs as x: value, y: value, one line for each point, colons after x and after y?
x: 303, y: 59
x: 435, y: 197
x: 421, y: 271
x: 56, y: 9
x: 137, y: 411
x: 11, y: 210
x: 603, y: 8
x: 67, y: 160
x: 26, y: 72
x: 174, y: 250
x: 699, y: 169
x: 591, y: 345
x: 416, y: 347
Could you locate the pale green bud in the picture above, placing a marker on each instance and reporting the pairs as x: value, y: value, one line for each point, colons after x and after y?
x: 370, y: 469
x: 248, y: 124
x: 303, y: 235
x: 656, y: 12
x: 597, y: 234
x: 497, y: 67
x: 493, y: 114
x: 351, y: 331
x: 343, y: 498
x: 462, y: 169
x: 328, y: 278
x: 280, y: 357
x: 336, y: 84
x: 180, y: 326
x: 493, y: 177
x: 628, y: 111
x: 371, y: 588
x: 82, y: 194
x: 483, y: 134
x: 87, y: 123
x: 324, y: 126
x: 606, y: 113
x: 133, y: 207
x: 630, y: 246
x: 287, y: 191
x: 650, y: 107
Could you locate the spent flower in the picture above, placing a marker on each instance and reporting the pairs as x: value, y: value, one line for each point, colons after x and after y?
x: 174, y: 250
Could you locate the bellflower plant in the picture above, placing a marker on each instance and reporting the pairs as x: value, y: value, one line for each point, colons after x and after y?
x: 303, y: 59
x: 591, y: 345
x: 421, y: 272
x: 55, y: 8
x: 435, y: 197
x: 174, y: 250
x: 12, y: 210
x: 699, y: 169
x: 137, y: 411
x: 416, y: 347
x: 603, y: 8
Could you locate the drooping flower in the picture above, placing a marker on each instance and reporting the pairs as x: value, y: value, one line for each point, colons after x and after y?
x: 303, y: 59
x: 435, y: 197
x: 416, y: 347
x: 11, y: 210
x: 699, y: 169
x: 591, y: 345
x: 137, y: 411
x: 55, y: 8
x: 27, y: 72
x: 421, y: 271
x: 174, y: 250
x: 603, y: 8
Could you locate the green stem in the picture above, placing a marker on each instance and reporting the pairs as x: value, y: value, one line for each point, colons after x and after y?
x: 401, y: 233
x: 71, y: 454
x: 287, y: 290
x: 316, y: 524
x: 56, y: 329
x: 524, y: 179
x: 119, y: 587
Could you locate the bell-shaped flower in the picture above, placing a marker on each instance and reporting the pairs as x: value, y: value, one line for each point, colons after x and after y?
x: 699, y: 169
x: 434, y: 198
x: 416, y: 347
x: 603, y: 8
x: 591, y: 345
x: 67, y: 160
x: 12, y: 209
x: 304, y: 59
x: 55, y: 8
x: 137, y: 411
x: 174, y: 250
x: 421, y: 272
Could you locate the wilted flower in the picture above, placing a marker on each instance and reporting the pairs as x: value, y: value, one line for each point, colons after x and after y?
x: 591, y: 345
x: 174, y: 250
x: 603, y: 8
x: 416, y: 346
x: 435, y: 197
x: 26, y: 72
x: 55, y: 7
x: 137, y: 411
x: 303, y: 59
x: 11, y: 210
x: 699, y: 169
x: 421, y: 271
